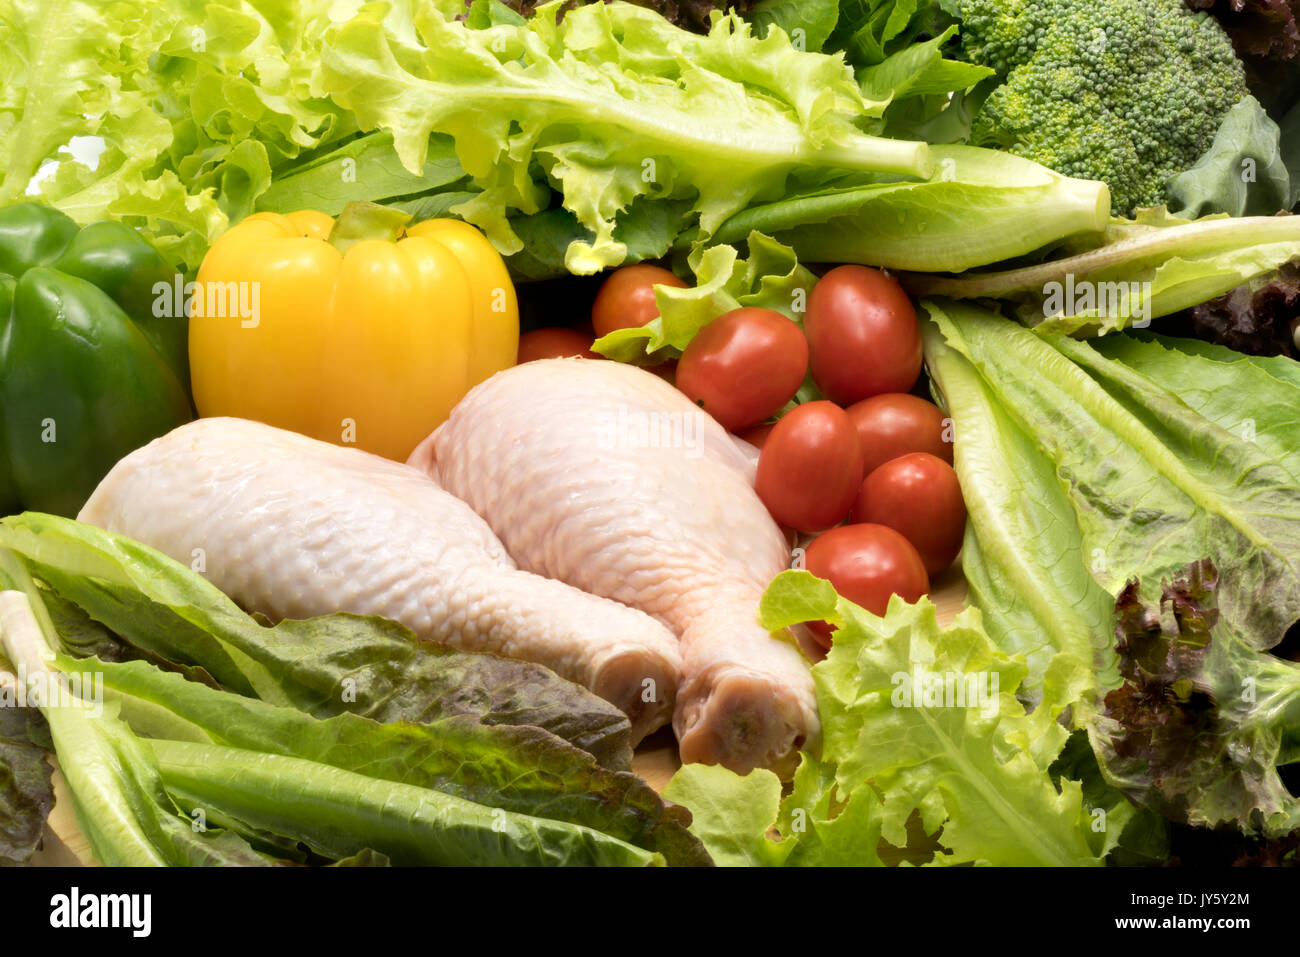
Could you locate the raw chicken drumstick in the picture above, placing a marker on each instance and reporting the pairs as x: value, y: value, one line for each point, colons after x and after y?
x: 606, y: 477
x: 294, y: 528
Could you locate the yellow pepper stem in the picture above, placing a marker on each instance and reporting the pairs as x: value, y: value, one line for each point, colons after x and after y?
x: 363, y: 220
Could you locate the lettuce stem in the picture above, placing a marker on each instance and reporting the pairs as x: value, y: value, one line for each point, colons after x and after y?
x: 1150, y: 245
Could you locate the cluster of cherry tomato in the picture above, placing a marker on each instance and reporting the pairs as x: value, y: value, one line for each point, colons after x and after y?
x: 867, y: 470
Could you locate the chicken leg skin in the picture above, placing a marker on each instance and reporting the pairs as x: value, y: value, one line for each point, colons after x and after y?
x: 604, y: 476
x: 294, y: 528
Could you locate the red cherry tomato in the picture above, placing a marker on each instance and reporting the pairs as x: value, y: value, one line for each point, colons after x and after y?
x: 895, y: 424
x: 919, y: 496
x: 810, y: 467
x: 866, y: 564
x: 627, y: 298
x: 863, y: 335
x: 743, y: 366
x: 555, y: 343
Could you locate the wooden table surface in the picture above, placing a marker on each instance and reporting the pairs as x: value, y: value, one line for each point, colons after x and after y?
x: 655, y: 760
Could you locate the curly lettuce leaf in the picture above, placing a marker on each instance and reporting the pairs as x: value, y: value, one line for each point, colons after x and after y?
x: 976, y: 771
x: 57, y: 57
x: 648, y: 228
x: 610, y: 103
x: 194, y: 104
x: 687, y: 14
x: 1133, y: 835
x: 808, y: 23
x: 771, y: 278
x: 744, y: 822
x: 731, y: 814
x: 969, y: 770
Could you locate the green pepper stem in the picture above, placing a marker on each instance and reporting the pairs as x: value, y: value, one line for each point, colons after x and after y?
x: 360, y: 221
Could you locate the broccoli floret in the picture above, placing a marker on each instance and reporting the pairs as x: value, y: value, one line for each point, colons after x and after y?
x: 1126, y: 91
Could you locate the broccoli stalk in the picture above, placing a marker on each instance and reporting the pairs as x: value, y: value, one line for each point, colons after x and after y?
x: 1126, y: 91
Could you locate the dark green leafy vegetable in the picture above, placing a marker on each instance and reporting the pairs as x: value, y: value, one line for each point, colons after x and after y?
x: 520, y: 769
x: 355, y: 694
x: 808, y: 23
x: 364, y: 169
x: 1243, y: 173
x: 337, y: 813
x: 323, y: 666
x: 113, y: 780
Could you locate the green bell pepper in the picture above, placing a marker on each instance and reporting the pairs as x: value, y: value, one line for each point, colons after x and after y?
x: 88, y: 371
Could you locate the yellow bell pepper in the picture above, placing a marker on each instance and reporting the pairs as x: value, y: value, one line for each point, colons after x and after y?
x: 349, y: 332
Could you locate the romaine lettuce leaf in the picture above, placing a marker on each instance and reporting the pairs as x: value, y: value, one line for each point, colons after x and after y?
x: 979, y: 207
x: 323, y: 666
x: 1121, y: 461
x: 338, y: 813
x: 1161, y: 468
x: 1023, y: 555
x: 1145, y: 269
x: 473, y: 741
x: 1213, y: 381
x: 113, y: 780
x: 521, y: 769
